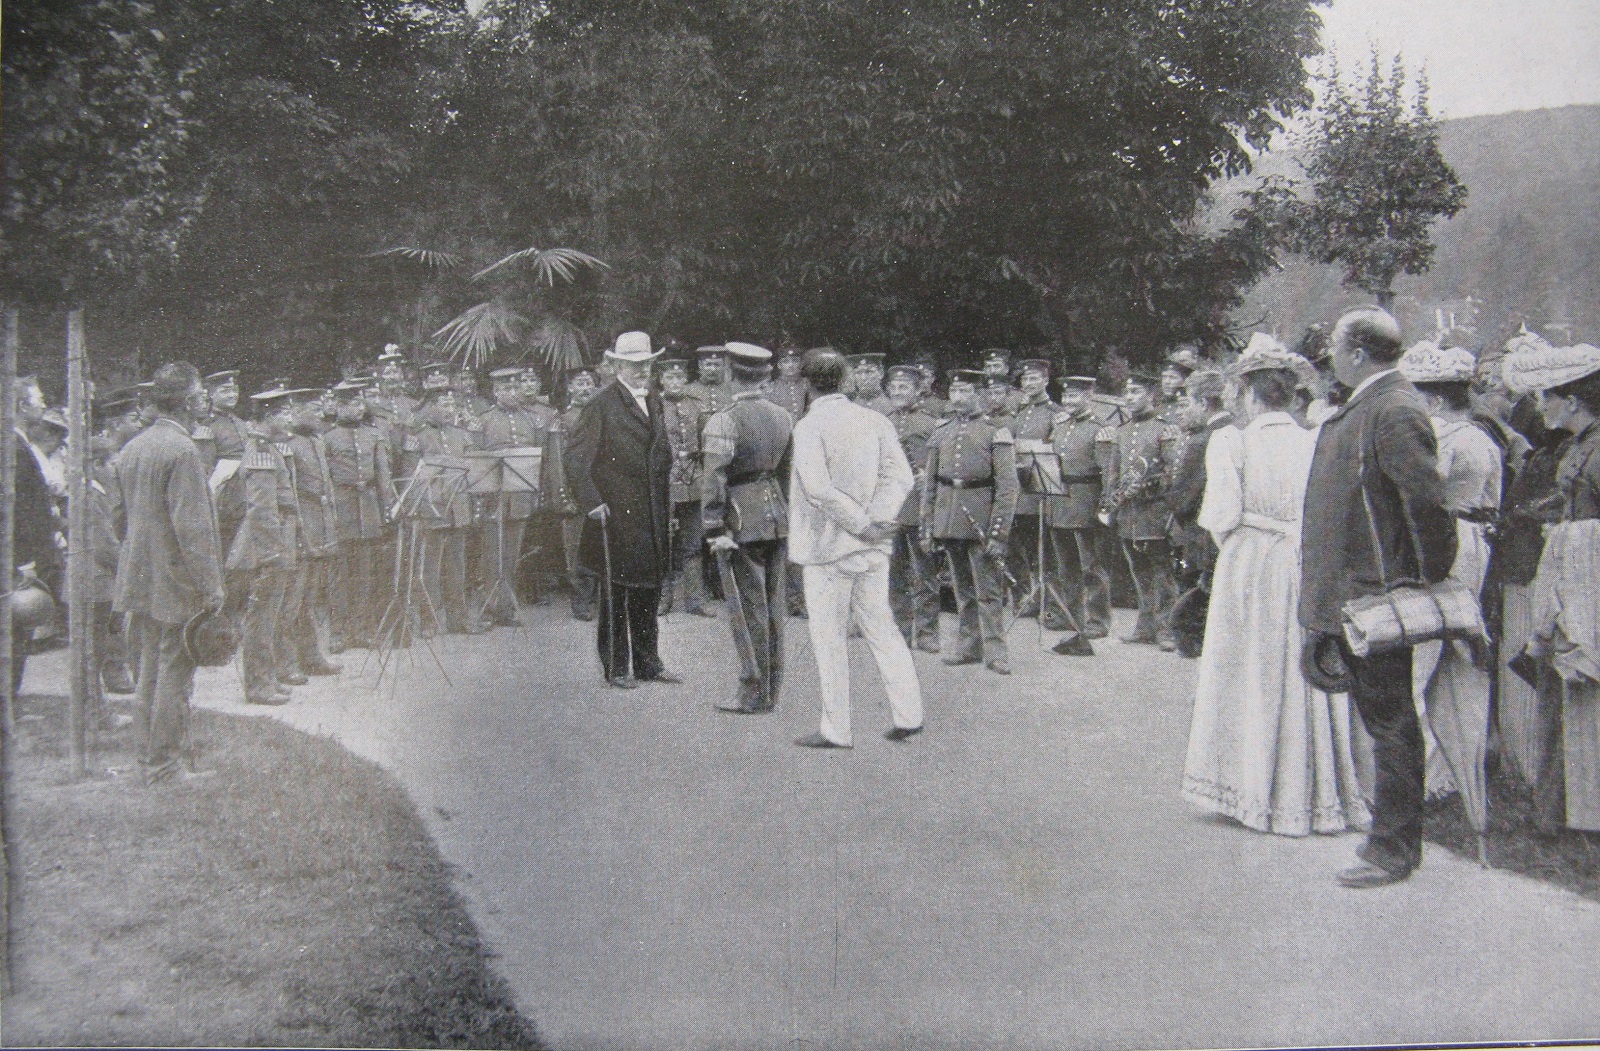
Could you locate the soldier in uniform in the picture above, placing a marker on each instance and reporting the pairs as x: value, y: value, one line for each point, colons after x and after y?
x: 684, y: 416
x: 866, y: 374
x: 227, y: 429
x: 711, y: 387
x: 106, y: 526
x: 1179, y: 366
x: 997, y: 370
x: 969, y: 493
x: 200, y: 431
x: 438, y: 431
x: 363, y: 494
x: 913, y: 575
x: 787, y: 388
x: 1078, y: 577
x: 261, y: 560
x: 1031, y: 422
x: 582, y: 383
x: 1134, y: 474
x: 927, y: 400
x: 309, y: 595
x: 746, y: 519
x: 464, y: 382
x: 1205, y: 413
x: 513, y: 422
x: 535, y: 574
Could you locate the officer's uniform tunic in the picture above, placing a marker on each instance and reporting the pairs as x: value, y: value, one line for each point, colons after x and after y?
x: 363, y: 494
x: 309, y: 593
x: 445, y: 527
x: 1135, y: 478
x: 257, y: 573
x: 969, y: 494
x: 747, y: 450
x: 1031, y: 421
x: 684, y: 417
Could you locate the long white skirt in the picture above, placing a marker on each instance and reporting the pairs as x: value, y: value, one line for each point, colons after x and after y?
x: 1264, y: 747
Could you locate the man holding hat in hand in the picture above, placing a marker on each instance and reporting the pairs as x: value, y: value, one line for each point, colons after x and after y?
x: 618, y: 461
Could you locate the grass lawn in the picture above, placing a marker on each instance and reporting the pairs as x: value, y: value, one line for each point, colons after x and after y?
x: 293, y: 899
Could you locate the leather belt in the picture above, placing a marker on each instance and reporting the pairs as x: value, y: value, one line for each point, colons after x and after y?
x: 958, y: 483
x: 746, y: 477
x: 1479, y: 515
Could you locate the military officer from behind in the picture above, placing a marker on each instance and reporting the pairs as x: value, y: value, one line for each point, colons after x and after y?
x: 1079, y: 598
x: 1135, y: 474
x: 969, y: 494
x: 746, y: 518
x: 913, y: 573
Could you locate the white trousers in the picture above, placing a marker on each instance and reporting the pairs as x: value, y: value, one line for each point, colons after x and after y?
x: 858, y: 586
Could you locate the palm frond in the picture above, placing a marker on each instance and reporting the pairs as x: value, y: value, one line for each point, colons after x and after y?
x: 426, y: 256
x: 558, y: 345
x: 548, y: 263
x: 477, y: 332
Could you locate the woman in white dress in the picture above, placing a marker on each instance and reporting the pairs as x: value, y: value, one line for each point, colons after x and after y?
x: 1472, y: 465
x: 1265, y: 748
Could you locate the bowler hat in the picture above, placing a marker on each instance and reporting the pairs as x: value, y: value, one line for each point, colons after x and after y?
x: 210, y: 639
x: 1322, y: 664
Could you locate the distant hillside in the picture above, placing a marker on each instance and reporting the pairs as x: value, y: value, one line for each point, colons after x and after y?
x: 1526, y: 247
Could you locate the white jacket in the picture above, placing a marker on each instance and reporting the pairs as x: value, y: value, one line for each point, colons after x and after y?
x: 848, y: 472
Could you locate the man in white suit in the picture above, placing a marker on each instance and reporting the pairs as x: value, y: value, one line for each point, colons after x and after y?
x: 847, y: 484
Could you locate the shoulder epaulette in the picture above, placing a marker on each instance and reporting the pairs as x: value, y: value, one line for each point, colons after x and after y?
x: 1002, y: 436
x: 258, y: 458
x: 1106, y: 434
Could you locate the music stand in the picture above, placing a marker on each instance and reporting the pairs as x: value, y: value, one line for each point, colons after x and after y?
x: 436, y: 481
x: 1039, y: 473
x: 503, y: 472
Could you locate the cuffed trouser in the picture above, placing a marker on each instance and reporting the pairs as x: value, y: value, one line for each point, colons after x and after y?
x: 913, y: 588
x: 1022, y: 556
x: 626, y: 635
x: 1150, y: 562
x: 1080, y: 587
x: 753, y: 581
x: 307, y: 593
x: 255, y: 598
x: 500, y: 547
x: 165, y: 678
x: 857, y: 588
x: 1382, y: 692
x: 980, y: 602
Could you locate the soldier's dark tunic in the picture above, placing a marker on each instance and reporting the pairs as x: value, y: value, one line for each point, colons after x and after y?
x: 581, y: 581
x: 228, y: 432
x: 747, y: 450
x: 504, y: 518
x: 445, y: 528
x: 913, y: 575
x: 363, y: 494
x: 1082, y: 599
x: 1192, y: 545
x: 1135, y: 480
x: 969, y: 494
x: 789, y: 394
x: 715, y: 397
x: 309, y: 592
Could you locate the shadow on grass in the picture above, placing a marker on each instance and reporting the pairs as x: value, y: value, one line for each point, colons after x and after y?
x: 292, y: 899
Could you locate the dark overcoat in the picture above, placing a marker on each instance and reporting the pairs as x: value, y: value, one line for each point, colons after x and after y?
x: 170, y: 566
x: 618, y: 457
x: 1387, y: 424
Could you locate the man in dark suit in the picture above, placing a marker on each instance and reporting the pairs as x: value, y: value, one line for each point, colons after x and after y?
x: 618, y: 462
x: 1382, y: 433
x: 170, y: 566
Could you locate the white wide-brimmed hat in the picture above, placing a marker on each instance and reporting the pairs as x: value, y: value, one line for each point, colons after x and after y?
x: 1528, y: 371
x: 633, y: 346
x: 1427, y: 362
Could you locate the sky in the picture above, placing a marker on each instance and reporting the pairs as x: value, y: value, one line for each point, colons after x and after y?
x: 1481, y: 56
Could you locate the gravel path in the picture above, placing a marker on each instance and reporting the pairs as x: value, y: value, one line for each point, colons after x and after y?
x: 655, y: 874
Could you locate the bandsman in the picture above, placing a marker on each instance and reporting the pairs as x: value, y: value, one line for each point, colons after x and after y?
x: 262, y: 560
x: 438, y: 431
x: 1030, y: 423
x: 1175, y: 372
x: 582, y: 384
x: 1205, y: 413
x: 866, y: 375
x: 787, y: 388
x: 684, y: 416
x: 997, y: 370
x: 711, y: 387
x: 541, y: 541
x: 512, y: 422
x: 1080, y: 595
x: 927, y: 400
x: 363, y: 493
x: 969, y: 493
x: 200, y: 430
x: 1136, y: 459
x: 309, y: 596
x: 227, y: 428
x: 913, y: 574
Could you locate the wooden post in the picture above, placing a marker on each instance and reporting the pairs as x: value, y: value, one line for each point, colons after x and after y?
x: 80, y: 551
x: 8, y: 487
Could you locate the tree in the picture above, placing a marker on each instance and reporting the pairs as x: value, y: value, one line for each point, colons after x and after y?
x: 1378, y: 182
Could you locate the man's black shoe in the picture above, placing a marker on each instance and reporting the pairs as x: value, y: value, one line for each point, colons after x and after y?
x: 624, y: 682
x: 903, y: 733
x: 816, y: 740
x: 1073, y: 646
x: 1364, y: 876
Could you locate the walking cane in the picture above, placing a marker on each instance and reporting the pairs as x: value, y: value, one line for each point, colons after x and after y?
x: 611, y: 600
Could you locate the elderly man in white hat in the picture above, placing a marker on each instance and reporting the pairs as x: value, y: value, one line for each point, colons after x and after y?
x: 618, y: 462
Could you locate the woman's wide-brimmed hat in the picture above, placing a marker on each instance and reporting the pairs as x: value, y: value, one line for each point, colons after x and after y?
x: 1427, y: 362
x: 1544, y: 368
x: 633, y: 346
x: 1322, y: 663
